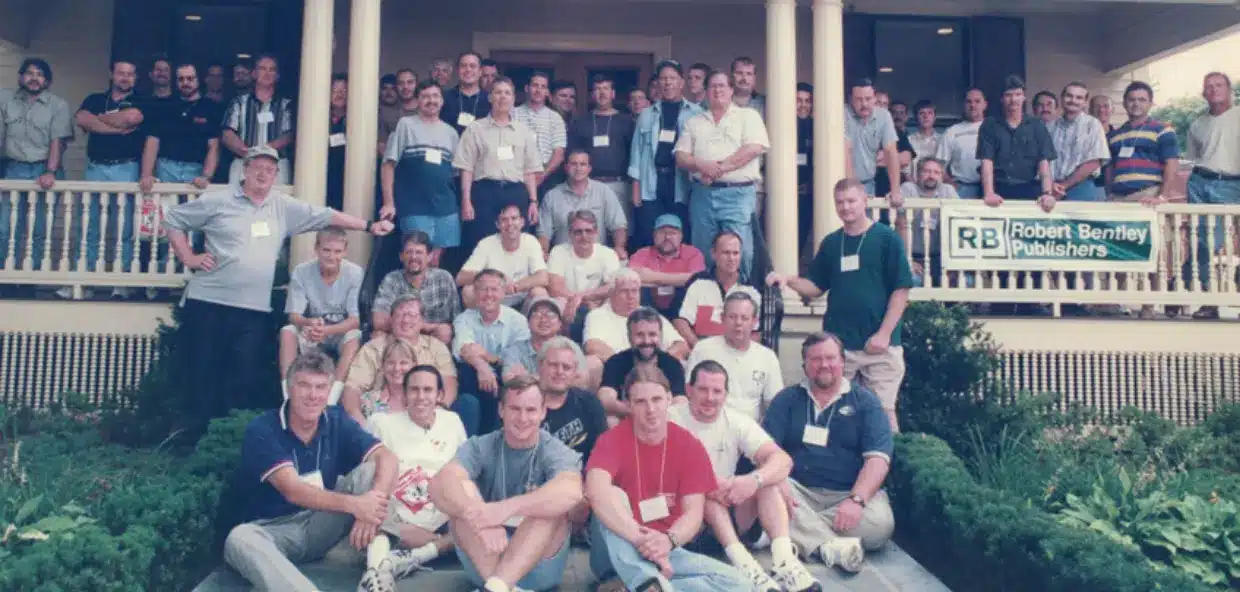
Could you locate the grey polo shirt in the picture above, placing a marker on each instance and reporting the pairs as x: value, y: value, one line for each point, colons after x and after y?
x: 498, y: 152
x: 561, y: 201
x: 245, y: 240
x: 868, y: 137
x: 27, y: 127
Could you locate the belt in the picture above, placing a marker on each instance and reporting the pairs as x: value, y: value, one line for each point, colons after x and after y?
x: 1214, y: 176
x: 609, y: 179
x: 112, y: 161
x: 498, y: 182
x: 723, y: 185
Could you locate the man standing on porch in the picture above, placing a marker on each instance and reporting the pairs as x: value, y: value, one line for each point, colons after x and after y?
x: 468, y: 101
x: 958, y: 148
x: 871, y: 130
x: 261, y: 117
x: 606, y: 134
x: 550, y: 135
x: 721, y: 150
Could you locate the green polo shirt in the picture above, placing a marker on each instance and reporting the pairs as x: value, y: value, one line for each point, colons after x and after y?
x: 857, y: 299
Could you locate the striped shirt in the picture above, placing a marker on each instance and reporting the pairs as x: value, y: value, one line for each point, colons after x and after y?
x: 248, y: 117
x: 548, y: 128
x: 1138, y: 154
x: 1077, y: 141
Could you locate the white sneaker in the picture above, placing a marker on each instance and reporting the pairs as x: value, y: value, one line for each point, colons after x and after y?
x: 378, y: 579
x: 405, y: 562
x: 751, y: 571
x: 121, y: 293
x: 64, y: 293
x: 845, y: 553
x: 794, y: 577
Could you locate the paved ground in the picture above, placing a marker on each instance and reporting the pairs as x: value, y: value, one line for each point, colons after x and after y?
x: 891, y: 570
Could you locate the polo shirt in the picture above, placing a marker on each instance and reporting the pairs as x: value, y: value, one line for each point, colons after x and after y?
x: 366, y: 371
x: 548, y: 128
x: 754, y: 375
x: 688, y: 259
x: 501, y: 472
x: 1138, y: 153
x: 338, y: 447
x: 244, y: 239
x: 857, y: 299
x: 607, y: 138
x: 583, y: 273
x: 617, y: 368
x: 1077, y: 141
x: 1214, y: 142
x: 858, y: 429
x: 1016, y: 151
x: 509, y: 329
x: 958, y: 149
x: 477, y: 105
x: 258, y: 123
x: 106, y: 148
x: 423, y: 153
x: 868, y: 136
x: 389, y: 118
x: 27, y: 127
x: 479, y: 151
x: 706, y: 139
x: 702, y: 304
x: 438, y: 293
x: 310, y: 297
x: 186, y: 127
x: 561, y: 201
x: 605, y: 325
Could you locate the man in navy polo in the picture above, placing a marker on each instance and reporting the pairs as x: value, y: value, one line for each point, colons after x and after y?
x: 840, y: 442
x: 300, y: 485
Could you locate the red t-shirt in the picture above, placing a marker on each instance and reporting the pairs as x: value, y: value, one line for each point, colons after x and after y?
x: 688, y: 260
x: 687, y: 470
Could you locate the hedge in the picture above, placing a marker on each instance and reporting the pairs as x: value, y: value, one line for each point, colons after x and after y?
x: 976, y: 538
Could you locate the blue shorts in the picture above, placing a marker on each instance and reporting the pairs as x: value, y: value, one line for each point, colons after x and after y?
x: 445, y: 231
x: 546, y: 575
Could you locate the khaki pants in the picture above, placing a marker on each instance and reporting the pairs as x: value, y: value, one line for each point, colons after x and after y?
x: 813, y: 517
x: 881, y: 373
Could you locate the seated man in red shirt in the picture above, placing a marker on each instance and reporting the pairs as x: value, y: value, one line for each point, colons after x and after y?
x: 666, y: 266
x: 644, y: 506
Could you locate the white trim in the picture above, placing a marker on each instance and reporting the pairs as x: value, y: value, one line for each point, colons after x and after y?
x: 659, y: 46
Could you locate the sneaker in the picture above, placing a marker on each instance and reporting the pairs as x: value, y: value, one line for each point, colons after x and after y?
x: 1147, y: 312
x: 655, y: 584
x: 152, y: 293
x: 794, y: 577
x: 378, y: 579
x: 64, y: 293
x: 750, y: 570
x: 612, y: 585
x: 845, y: 553
x: 404, y: 562
x: 121, y: 293
x: 1206, y: 313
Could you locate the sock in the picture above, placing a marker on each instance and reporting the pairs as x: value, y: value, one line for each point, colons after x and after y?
x: 378, y: 550
x: 738, y: 554
x: 495, y: 585
x: 426, y: 552
x: 781, y: 549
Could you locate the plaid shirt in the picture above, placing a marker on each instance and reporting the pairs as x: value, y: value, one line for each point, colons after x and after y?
x: 440, y: 301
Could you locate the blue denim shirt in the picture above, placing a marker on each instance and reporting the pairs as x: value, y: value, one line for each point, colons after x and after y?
x: 646, y: 143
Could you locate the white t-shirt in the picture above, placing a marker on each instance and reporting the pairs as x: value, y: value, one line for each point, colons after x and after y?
x: 702, y: 306
x: 1214, y: 142
x: 526, y: 261
x: 422, y: 453
x: 754, y: 375
x: 612, y: 329
x: 582, y: 274
x: 725, y: 439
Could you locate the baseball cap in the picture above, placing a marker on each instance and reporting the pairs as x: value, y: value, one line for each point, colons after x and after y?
x: 262, y: 151
x: 669, y: 64
x: 668, y: 220
x: 547, y: 301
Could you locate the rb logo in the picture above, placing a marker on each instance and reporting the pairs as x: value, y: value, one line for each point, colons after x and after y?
x: 977, y: 238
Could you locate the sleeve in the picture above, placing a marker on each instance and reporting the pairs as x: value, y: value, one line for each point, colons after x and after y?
x: 533, y: 252
x: 755, y: 130
x: 820, y: 269
x: 689, y: 303
x: 459, y: 437
x: 462, y: 333
x: 364, y: 370
x: 904, y: 145
x: 775, y: 421
x: 355, y: 443
x: 261, y: 456
x: 695, y: 356
x: 1046, y: 146
x: 1168, y: 145
x: 478, y: 259
x: 876, y: 439
x: 613, y: 214
x: 986, y: 146
x: 944, y: 152
x: 670, y: 334
x: 354, y: 294
x: 889, y: 129
x: 385, y: 294
x: 1191, y: 150
x: 513, y: 357
x: 92, y: 104
x: 191, y: 215
x: 676, y: 378
x: 899, y: 274
x: 559, y: 133
x: 591, y: 326
x: 533, y: 161
x: 62, y: 123
x: 908, y: 189
x: 752, y: 435
x: 559, y: 458
x: 774, y: 378
x: 685, y: 142
x: 466, y: 156
x: 641, y: 259
x: 596, y: 419
x: 545, y: 225
x: 397, y: 141
x: 520, y: 331
x: 300, y: 216
x: 695, y: 468
x: 297, y: 300
x: 611, y: 266
x: 442, y: 358
x: 613, y: 374
x: 697, y: 261
x: 557, y: 262
x: 232, y: 114
x: 635, y: 150
x: 286, y: 117
x: 471, y: 457
x: 1100, y: 150
x: 605, y: 457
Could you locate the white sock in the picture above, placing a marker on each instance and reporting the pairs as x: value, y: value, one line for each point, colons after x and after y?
x: 378, y: 550
x: 781, y: 550
x: 495, y: 585
x: 426, y: 552
x: 738, y: 554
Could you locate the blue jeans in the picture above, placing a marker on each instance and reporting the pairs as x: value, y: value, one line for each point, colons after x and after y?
x: 125, y: 172
x: 467, y: 406
x: 445, y: 231
x: 969, y: 190
x: 716, y: 209
x: 169, y: 171
x: 24, y: 171
x: 1208, y: 191
x: 1085, y: 191
x: 611, y: 553
x: 547, y: 574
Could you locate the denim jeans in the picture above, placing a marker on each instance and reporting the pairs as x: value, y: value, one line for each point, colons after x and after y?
x: 177, y: 171
x: 468, y: 408
x: 24, y: 171
x: 1085, y: 191
x: 716, y: 209
x: 969, y: 190
x: 125, y: 172
x: 1215, y: 192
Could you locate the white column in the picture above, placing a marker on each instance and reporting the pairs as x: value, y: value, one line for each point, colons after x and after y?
x: 781, y: 121
x: 313, y: 107
x: 362, y: 136
x: 828, y: 112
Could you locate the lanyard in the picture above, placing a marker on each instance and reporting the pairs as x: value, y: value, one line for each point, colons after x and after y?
x: 859, y: 243
x: 318, y: 457
x: 503, y: 469
x: 460, y: 100
x: 638, y: 456
x: 594, y: 124
x: 813, y: 417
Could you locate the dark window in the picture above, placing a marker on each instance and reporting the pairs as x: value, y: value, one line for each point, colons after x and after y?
x: 921, y: 58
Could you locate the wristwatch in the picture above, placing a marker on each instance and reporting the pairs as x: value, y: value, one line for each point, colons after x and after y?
x: 856, y: 498
x: 369, y: 224
x: 671, y: 537
x: 758, y: 477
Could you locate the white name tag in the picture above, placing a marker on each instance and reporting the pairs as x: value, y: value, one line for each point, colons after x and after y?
x: 434, y: 156
x: 665, y: 290
x: 653, y: 509
x: 266, y: 117
x: 514, y: 522
x: 850, y: 262
x: 336, y: 140
x: 802, y: 159
x: 602, y: 141
x: 465, y: 119
x: 260, y: 229
x: 1127, y: 151
x: 667, y: 136
x: 314, y: 479
x: 505, y: 153
x: 815, y: 436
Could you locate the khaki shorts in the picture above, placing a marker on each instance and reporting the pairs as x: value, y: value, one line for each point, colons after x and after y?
x: 881, y: 373
x: 331, y: 345
x: 1151, y: 191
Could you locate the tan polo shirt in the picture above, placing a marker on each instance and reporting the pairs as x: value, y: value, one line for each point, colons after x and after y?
x: 366, y: 372
x: 498, y: 152
x: 706, y: 139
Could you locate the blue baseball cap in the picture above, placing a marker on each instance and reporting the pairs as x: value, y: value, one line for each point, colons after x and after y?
x: 668, y: 220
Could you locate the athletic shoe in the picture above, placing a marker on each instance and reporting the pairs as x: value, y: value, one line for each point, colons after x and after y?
x: 378, y: 579
x: 845, y: 553
x: 655, y: 584
x: 404, y: 562
x: 751, y: 571
x: 794, y: 577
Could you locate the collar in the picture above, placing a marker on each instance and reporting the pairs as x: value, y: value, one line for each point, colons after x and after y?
x: 499, y: 318
x: 239, y: 193
x: 847, y: 388
x: 283, y: 413
x: 533, y: 109
x: 680, y: 252
x: 458, y: 90
x: 511, y: 122
x: 24, y: 95
x: 568, y: 185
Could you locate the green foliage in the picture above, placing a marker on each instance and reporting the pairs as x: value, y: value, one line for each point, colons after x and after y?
x: 1181, y: 111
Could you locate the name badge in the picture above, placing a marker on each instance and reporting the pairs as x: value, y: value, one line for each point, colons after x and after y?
x: 653, y: 509
x: 815, y: 436
x: 505, y: 153
x: 433, y: 156
x: 665, y: 290
x: 802, y: 159
x: 1127, y: 151
x: 602, y: 141
x: 667, y: 136
x: 336, y: 140
x: 260, y: 229
x: 514, y: 522
x: 850, y: 262
x: 314, y: 479
x: 111, y: 111
x: 465, y: 119
x: 266, y: 117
